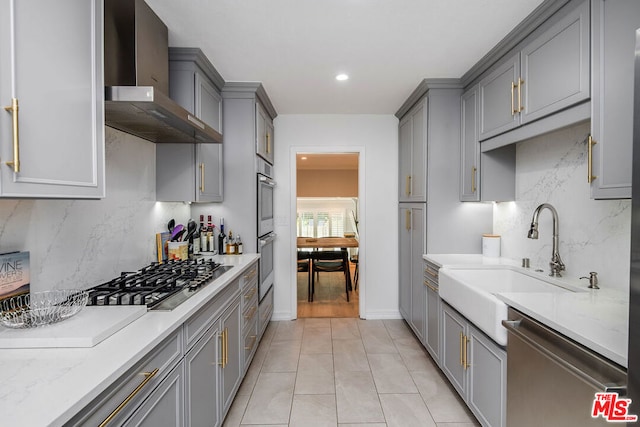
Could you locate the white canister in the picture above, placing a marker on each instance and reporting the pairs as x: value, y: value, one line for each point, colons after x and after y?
x: 491, y: 245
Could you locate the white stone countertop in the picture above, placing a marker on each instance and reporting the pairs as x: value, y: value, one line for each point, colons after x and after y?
x: 597, y: 319
x: 46, y: 387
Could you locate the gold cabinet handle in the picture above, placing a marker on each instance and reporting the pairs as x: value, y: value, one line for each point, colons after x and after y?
x: 407, y: 219
x: 513, y: 102
x: 202, y: 177
x: 253, y: 342
x: 461, y: 351
x: 407, y: 185
x: 590, y: 143
x: 430, y: 286
x: 431, y: 272
x: 520, y: 106
x: 226, y: 346
x: 223, y: 341
x: 250, y: 294
x: 473, y: 179
x: 13, y: 110
x: 251, y: 313
x: 125, y: 402
x: 465, y: 361
x: 268, y: 144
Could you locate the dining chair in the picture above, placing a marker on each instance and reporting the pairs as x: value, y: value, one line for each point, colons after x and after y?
x: 304, y: 265
x: 330, y: 261
x: 354, y: 260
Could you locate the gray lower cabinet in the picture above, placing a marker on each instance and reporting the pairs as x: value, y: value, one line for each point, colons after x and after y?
x: 192, y: 172
x: 213, y: 363
x: 250, y: 315
x: 412, y: 246
x: 613, y: 26
x: 51, y: 78
x: 433, y: 307
x: 134, y: 394
x: 476, y: 367
x: 165, y: 404
x: 548, y: 73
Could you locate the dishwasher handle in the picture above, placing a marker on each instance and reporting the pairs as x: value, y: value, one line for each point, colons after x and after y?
x: 525, y: 330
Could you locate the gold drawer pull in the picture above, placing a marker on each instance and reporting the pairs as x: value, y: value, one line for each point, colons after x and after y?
x: 251, y: 313
x: 253, y: 342
x: 590, y: 143
x: 13, y: 110
x: 431, y: 272
x: 465, y: 363
x: 250, y: 294
x: 430, y: 286
x: 125, y: 402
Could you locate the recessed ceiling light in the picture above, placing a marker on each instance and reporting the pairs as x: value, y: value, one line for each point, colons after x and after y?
x: 303, y: 158
x: 342, y: 77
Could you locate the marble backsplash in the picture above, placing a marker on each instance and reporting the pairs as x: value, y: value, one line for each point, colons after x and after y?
x: 81, y: 243
x: 595, y: 235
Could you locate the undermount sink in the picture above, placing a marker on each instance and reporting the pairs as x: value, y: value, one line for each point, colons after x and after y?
x: 472, y: 291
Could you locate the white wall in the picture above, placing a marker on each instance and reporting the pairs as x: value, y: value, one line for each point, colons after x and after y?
x: 376, y: 138
x: 82, y: 243
x: 595, y: 235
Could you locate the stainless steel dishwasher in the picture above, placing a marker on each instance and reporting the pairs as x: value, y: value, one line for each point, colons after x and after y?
x: 552, y: 380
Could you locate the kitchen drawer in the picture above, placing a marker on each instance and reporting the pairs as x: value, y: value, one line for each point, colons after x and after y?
x: 431, y: 273
x: 265, y: 310
x: 161, y: 360
x: 250, y: 344
x: 248, y: 275
x: 250, y: 313
x: 202, y: 320
x: 249, y: 292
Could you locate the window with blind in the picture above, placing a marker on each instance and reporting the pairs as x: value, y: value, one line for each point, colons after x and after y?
x: 324, y: 217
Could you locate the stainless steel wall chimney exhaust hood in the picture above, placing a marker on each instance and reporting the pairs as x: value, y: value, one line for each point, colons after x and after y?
x: 136, y: 74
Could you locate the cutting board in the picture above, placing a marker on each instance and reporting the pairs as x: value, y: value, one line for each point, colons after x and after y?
x: 86, y: 329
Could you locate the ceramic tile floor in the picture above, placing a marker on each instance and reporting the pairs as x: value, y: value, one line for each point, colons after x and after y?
x: 345, y: 372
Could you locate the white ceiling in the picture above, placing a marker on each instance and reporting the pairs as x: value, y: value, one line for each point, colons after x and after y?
x: 296, y: 47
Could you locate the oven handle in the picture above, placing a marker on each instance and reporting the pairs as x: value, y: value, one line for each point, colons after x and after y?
x: 266, y: 180
x: 268, y: 239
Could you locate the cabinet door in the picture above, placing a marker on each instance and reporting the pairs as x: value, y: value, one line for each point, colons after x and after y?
x: 555, y: 67
x: 432, y: 338
x: 51, y: 62
x: 210, y: 171
x: 404, y: 157
x: 202, y: 379
x: 418, y: 297
x: 261, y: 132
x: 165, y: 405
x: 487, y: 379
x: 453, y: 333
x: 498, y: 100
x: 231, y: 371
x: 208, y: 103
x: 404, y: 234
x: 613, y: 41
x: 270, y: 141
x: 419, y: 152
x: 470, y: 147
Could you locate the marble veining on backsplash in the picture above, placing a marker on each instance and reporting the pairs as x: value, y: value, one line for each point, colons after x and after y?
x: 594, y: 234
x: 81, y: 243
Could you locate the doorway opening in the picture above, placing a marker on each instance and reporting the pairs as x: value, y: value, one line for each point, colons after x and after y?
x: 327, y: 235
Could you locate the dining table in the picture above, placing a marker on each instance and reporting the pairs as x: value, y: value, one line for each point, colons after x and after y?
x: 328, y: 243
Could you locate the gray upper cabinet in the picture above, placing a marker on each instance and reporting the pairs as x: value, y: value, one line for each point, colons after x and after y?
x: 53, y: 70
x: 498, y: 97
x: 264, y: 134
x: 192, y: 172
x: 412, y: 180
x: 470, y: 147
x: 613, y: 42
x: 549, y: 73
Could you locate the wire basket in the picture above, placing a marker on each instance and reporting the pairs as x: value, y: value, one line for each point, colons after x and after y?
x: 41, y: 308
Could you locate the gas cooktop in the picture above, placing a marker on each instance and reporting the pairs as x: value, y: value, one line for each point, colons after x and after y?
x: 159, y: 286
